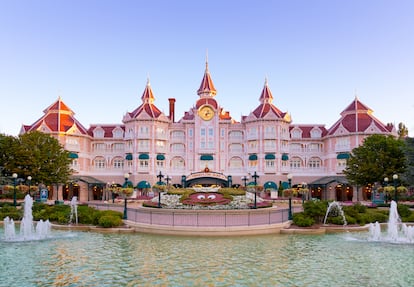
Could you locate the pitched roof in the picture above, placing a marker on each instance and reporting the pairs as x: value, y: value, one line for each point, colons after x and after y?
x: 357, y: 117
x: 58, y: 117
x: 266, y: 106
x: 147, y: 105
x: 207, y: 85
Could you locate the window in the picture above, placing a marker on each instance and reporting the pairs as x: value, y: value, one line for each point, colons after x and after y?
x: 118, y: 147
x: 190, y: 132
x: 235, y: 163
x: 223, y: 132
x: 316, y: 133
x: 270, y: 163
x: 296, y: 134
x: 295, y: 163
x: 118, y: 163
x: 203, y: 132
x: 117, y: 133
x: 99, y: 147
x: 98, y: 133
x: 210, y: 132
x: 143, y: 163
x: 314, y: 163
x: 99, y: 163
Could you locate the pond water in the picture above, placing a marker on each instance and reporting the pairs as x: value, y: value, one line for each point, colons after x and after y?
x: 95, y: 259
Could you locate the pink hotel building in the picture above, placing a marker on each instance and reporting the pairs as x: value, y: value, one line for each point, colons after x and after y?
x: 208, y: 146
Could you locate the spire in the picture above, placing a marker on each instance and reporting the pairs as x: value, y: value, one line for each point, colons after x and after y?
x: 148, y: 95
x: 207, y: 86
x: 266, y: 96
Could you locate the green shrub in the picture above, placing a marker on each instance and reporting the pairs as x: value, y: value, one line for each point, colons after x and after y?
x: 403, y: 210
x: 350, y: 220
x: 11, y: 212
x: 315, y: 210
x: 302, y: 220
x: 108, y: 221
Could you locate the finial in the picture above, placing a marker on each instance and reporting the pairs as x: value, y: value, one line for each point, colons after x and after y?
x: 265, y: 80
x: 356, y: 94
x: 148, y: 80
x: 206, y: 59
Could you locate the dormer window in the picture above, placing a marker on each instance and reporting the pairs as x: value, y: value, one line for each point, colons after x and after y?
x: 98, y: 132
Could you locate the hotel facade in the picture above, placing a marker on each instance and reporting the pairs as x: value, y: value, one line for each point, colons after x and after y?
x: 207, y: 146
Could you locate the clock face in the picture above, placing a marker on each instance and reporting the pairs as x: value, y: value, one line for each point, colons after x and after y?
x: 206, y: 113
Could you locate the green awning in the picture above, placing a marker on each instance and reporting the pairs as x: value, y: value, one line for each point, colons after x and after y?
x: 270, y: 184
x: 73, y: 155
x: 285, y: 156
x: 251, y: 183
x: 160, y: 157
x: 270, y: 156
x: 206, y: 157
x: 160, y: 183
x: 143, y: 184
x: 343, y: 155
x: 285, y: 185
x: 128, y: 156
x: 143, y: 156
x: 253, y: 157
x: 127, y: 184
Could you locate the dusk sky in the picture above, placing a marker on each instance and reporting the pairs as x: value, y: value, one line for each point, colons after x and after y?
x: 97, y: 55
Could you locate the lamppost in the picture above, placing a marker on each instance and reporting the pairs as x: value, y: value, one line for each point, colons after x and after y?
x: 112, y: 192
x: 14, y: 175
x: 126, y: 176
x: 160, y: 176
x: 289, y: 177
x: 386, y: 192
x: 304, y: 187
x: 255, y: 177
x: 245, y: 179
x: 395, y: 178
x: 29, y: 181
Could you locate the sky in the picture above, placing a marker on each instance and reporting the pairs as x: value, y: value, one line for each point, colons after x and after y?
x: 98, y: 54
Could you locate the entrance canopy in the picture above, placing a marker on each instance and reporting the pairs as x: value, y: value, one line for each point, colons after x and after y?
x: 270, y: 185
x: 143, y: 184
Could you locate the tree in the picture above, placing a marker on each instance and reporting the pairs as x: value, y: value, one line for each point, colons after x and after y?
x: 379, y: 156
x: 36, y: 154
x: 408, y: 176
x: 402, y: 131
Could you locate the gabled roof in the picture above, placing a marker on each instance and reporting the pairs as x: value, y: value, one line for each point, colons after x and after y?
x: 306, y: 130
x: 107, y: 129
x: 266, y: 107
x: 207, y: 86
x: 58, y: 117
x: 147, y: 105
x: 357, y: 117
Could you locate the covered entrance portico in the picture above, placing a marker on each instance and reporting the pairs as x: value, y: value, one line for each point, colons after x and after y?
x: 206, y: 178
x: 332, y: 188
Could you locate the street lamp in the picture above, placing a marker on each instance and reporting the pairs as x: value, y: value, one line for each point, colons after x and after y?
x: 160, y: 176
x: 14, y: 175
x: 395, y: 178
x: 304, y: 186
x: 126, y: 176
x: 255, y: 177
x: 245, y: 179
x: 112, y: 192
x: 29, y: 181
x: 289, y: 177
x: 386, y: 193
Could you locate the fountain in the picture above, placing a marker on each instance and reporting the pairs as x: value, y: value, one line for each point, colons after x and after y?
x: 331, y: 206
x: 28, y: 231
x: 397, y: 232
x: 74, y: 209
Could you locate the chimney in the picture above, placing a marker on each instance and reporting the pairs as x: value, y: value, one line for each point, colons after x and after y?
x: 172, y: 109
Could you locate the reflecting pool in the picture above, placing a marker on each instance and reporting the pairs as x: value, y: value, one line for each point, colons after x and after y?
x: 95, y: 259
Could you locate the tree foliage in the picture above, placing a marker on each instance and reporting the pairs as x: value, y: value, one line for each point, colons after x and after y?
x: 402, y: 131
x: 36, y: 154
x: 408, y: 176
x: 379, y: 156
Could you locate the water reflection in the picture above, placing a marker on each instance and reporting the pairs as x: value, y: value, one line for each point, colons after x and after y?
x: 93, y: 259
